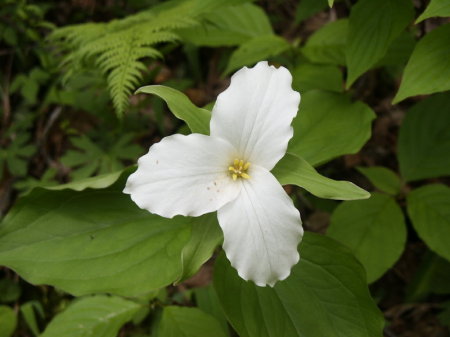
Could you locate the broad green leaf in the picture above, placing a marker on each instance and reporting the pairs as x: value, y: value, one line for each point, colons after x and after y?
x: 188, y: 322
x: 435, y: 8
x: 92, y: 241
x: 325, y: 295
x: 428, y: 69
x: 307, y: 8
x: 432, y: 276
x: 398, y: 52
x: 382, y: 178
x: 229, y: 26
x: 205, y: 237
x: 307, y: 76
x: 196, y: 118
x: 97, y: 316
x: 97, y: 182
x: 9, y: 291
x: 207, y: 300
x: 8, y: 321
x: 294, y: 170
x: 257, y: 49
x: 28, y: 312
x: 424, y: 140
x: 429, y: 210
x: 329, y: 125
x: 327, y: 45
x: 373, y: 25
x: 330, y: 3
x: 373, y: 229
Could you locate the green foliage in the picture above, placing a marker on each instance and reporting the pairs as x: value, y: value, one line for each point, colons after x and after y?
x: 118, y: 47
x: 229, y: 26
x: 257, y: 49
x: 424, y: 139
x: 9, y: 291
x: 429, y: 210
x: 325, y: 116
x: 327, y: 45
x: 205, y: 237
x: 97, y: 316
x: 382, y: 178
x: 373, y: 25
x: 97, y: 182
x: 207, y: 300
x: 188, y: 322
x: 433, y: 277
x: 427, y: 70
x: 196, y: 118
x: 17, y: 154
x: 327, y: 285
x: 307, y: 8
x: 364, y: 225
x: 28, y: 311
x: 92, y: 241
x: 93, y: 159
x: 294, y: 170
x: 308, y: 76
x: 435, y: 8
x: 8, y: 321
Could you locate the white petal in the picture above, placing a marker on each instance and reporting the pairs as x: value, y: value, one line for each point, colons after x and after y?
x: 255, y: 113
x: 184, y: 175
x: 262, y: 229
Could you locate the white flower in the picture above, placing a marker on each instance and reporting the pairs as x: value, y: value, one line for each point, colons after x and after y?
x: 229, y: 172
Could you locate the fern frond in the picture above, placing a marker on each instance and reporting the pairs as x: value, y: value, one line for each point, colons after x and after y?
x: 118, y: 47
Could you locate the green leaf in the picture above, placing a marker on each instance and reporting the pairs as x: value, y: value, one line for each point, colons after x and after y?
x: 229, y: 26
x: 257, y: 49
x: 90, y: 158
x: 429, y: 210
x: 329, y: 125
x: 97, y: 182
x: 294, y: 170
x: 435, y: 8
x: 307, y: 8
x: 207, y: 300
x: 428, y: 69
x: 373, y: 25
x: 188, y: 322
x: 330, y: 3
x: 308, y: 76
x: 382, y: 178
x: 205, y: 237
x: 28, y: 312
x: 424, y: 140
x: 9, y: 291
x: 432, y: 276
x: 327, y: 45
x: 92, y: 241
x: 196, y: 118
x: 97, y: 316
x: 325, y: 295
x: 8, y: 321
x: 364, y: 226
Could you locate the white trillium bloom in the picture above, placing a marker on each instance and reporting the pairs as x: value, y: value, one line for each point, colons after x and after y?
x: 229, y: 172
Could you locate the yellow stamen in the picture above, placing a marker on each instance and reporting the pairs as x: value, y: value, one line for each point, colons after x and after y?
x: 239, y: 169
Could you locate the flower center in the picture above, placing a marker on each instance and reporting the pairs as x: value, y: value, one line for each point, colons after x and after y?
x: 239, y: 169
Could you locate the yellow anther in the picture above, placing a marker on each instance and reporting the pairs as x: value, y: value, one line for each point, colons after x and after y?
x: 245, y: 175
x: 239, y: 169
